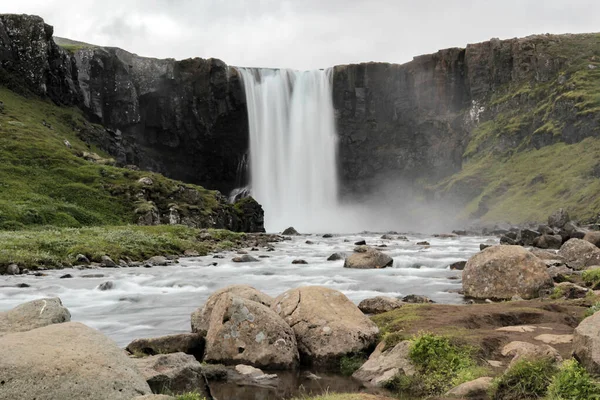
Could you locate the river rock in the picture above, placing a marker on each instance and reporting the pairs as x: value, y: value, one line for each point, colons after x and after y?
x: 107, y: 262
x: 416, y: 299
x: 67, y: 361
x: 201, y: 317
x: 13, y: 269
x: 586, y: 343
x: 336, y: 257
x: 327, y: 325
x: 290, y: 232
x: 33, y: 314
x: 460, y: 265
x: 255, y: 374
x: 158, y: 261
x: 244, y: 258
x: 383, y: 365
x: 501, y: 272
x: 593, y: 237
x: 519, y: 350
x: 476, y: 388
x: 526, y: 237
x: 108, y: 285
x: 379, y: 304
x: 559, y: 218
x: 244, y: 331
x: 188, y: 343
x: 559, y: 273
x: 154, y: 397
x: 175, y: 373
x: 301, y: 262
x: 548, y: 242
x: 365, y: 257
x: 82, y: 259
x: 578, y: 253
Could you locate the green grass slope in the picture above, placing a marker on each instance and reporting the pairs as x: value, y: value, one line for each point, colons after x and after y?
x: 536, y: 147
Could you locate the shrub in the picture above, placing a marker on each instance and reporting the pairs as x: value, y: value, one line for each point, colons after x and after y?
x: 351, y: 362
x: 592, y: 310
x: 573, y: 382
x: 190, y: 396
x: 592, y: 278
x: 527, y: 379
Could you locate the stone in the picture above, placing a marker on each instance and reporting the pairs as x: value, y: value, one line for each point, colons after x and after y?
x: 475, y: 388
x: 107, y: 262
x: 517, y: 328
x: 361, y: 242
x: 188, y: 343
x: 458, y: 266
x: 327, y: 325
x: 387, y: 237
x: 524, y: 350
x: 423, y: 243
x: 255, y: 374
x: 201, y: 317
x: 593, y: 237
x: 501, y: 272
x: 578, y: 253
x: 569, y: 290
x: 244, y: 331
x: 67, y: 361
x: 290, y: 232
x: 244, y: 259
x: 154, y: 397
x: 383, y: 365
x: 299, y: 262
x: 191, y: 253
x: 368, y: 257
x: 416, y: 299
x: 327, y: 235
x: 65, y: 276
x: 507, y: 240
x: 586, y: 343
x: 548, y: 242
x: 13, y: 269
x: 33, y: 314
x: 527, y: 236
x: 559, y: 218
x: 108, y: 285
x: 554, y: 339
x: 146, y: 181
x: 484, y: 246
x: 379, y: 304
x: 175, y: 373
x: 336, y: 257
x: 158, y: 261
x: 559, y: 273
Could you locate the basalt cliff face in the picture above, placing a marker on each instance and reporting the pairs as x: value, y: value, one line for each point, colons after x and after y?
x: 504, y: 129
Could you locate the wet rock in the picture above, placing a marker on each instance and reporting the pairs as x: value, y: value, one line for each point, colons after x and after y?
x: 22, y: 285
x: 367, y: 257
x: 244, y: 258
x: 477, y: 388
x: 108, y: 285
x: 360, y: 243
x: 379, y: 304
x: 67, y: 361
x: 256, y: 375
x: 176, y: 373
x: 548, y: 242
x: 81, y: 259
x: 92, y: 276
x: 244, y: 331
x: 459, y: 265
x: 500, y: 272
x: 383, y: 365
x: 309, y: 242
x: 504, y: 239
x: 13, y: 269
x: 524, y: 350
x: 586, y: 343
x: 188, y: 343
x: 579, y: 253
x: 299, y: 262
x: 107, y: 262
x: 158, y: 261
x: 201, y: 317
x: 218, y: 256
x: 66, y: 276
x: 593, y: 237
x: 327, y: 325
x: 191, y: 253
x: 387, y: 237
x: 327, y: 235
x: 483, y: 246
x: 336, y: 257
x: 559, y: 218
x: 416, y: 299
x: 290, y: 232
x: 527, y: 236
x: 33, y: 314
x: 423, y: 243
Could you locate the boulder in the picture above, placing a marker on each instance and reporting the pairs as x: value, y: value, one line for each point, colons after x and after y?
x: 188, y: 343
x: 593, y: 237
x: 255, y: 375
x: 290, y: 231
x: 244, y: 258
x: 244, y: 331
x: 67, y: 361
x: 460, y: 265
x: 361, y: 242
x: 586, y: 343
x: 336, y: 257
x: 33, y: 314
x: 527, y: 236
x: 559, y: 218
x: 13, y: 269
x: 201, y: 317
x: 379, y: 304
x: 519, y: 350
x: 569, y: 290
x: 578, y: 253
x: 366, y: 257
x: 383, y: 364
x: 416, y: 299
x: 548, y: 242
x: 476, y: 388
x: 158, y: 261
x: 327, y: 325
x: 172, y: 373
x: 559, y: 273
x: 299, y: 261
x: 154, y: 397
x: 501, y: 272
x: 81, y: 259
x: 107, y: 262
x: 108, y: 285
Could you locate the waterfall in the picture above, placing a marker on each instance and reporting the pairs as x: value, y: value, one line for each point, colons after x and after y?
x: 293, y: 146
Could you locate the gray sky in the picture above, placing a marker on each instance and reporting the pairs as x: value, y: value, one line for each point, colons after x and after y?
x: 304, y: 34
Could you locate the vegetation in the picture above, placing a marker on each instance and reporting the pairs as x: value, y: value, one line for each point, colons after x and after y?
x: 190, y: 396
x: 573, y: 382
x: 341, y: 396
x: 526, y: 379
x: 351, y: 362
x: 53, y: 247
x: 591, y: 277
x: 594, y: 308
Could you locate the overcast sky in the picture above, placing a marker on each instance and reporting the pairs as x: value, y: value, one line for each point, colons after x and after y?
x: 304, y: 34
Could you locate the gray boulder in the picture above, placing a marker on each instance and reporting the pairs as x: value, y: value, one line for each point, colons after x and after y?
x: 579, y: 253
x: 548, y: 242
x: 559, y: 218
x: 586, y: 343
x: 336, y: 257
x: 379, y: 304
x: 13, y: 269
x: 107, y: 262
x: 33, y: 314
x: 365, y: 257
x: 188, y: 343
x: 593, y: 237
x: 383, y: 365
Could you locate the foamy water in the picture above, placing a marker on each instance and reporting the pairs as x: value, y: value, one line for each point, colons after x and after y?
x: 156, y: 301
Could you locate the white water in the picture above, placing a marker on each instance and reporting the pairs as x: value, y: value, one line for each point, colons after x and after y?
x: 293, y: 147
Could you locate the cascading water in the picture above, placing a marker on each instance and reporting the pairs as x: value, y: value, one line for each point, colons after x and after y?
x: 293, y: 146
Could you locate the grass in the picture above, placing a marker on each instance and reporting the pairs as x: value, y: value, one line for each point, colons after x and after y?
x: 350, y: 363
x: 591, y: 277
x: 340, y: 396
x: 593, y: 309
x: 573, y: 382
x: 526, y: 379
x: 57, y: 247
x: 190, y: 396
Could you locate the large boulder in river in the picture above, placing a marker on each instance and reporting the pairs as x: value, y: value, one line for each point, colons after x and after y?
x: 327, y: 325
x: 579, y: 253
x: 242, y: 331
x: 586, y: 343
x: 188, y: 343
x: 365, y: 257
x: 201, y: 317
x: 66, y: 361
x: 33, y: 314
x: 501, y: 272
x: 379, y: 304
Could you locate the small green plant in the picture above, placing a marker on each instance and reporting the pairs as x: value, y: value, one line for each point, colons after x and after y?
x: 526, y: 379
x: 557, y: 293
x: 573, y: 382
x: 592, y: 310
x: 190, y: 396
x: 351, y: 362
x: 592, y: 278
